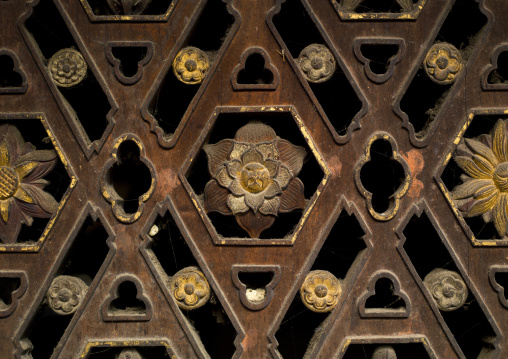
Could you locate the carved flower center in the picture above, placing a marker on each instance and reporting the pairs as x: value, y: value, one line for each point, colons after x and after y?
x: 9, y: 182
x: 191, y: 65
x: 316, y: 63
x: 448, y: 291
x: 189, y: 288
x: 64, y: 295
x: 321, y: 290
x: 501, y: 177
x: 442, y: 62
x: 254, y: 177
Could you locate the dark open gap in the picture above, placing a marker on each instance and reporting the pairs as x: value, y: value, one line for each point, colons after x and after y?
x: 8, y: 77
x: 208, y: 34
x: 51, y: 35
x: 255, y: 72
x: 84, y: 259
x: 500, y: 74
x: 114, y: 352
x: 254, y: 280
x: 468, y: 324
x: 126, y: 301
x: 336, y: 96
x: 424, y: 98
x: 283, y: 124
x: 379, y: 56
x: 210, y: 321
x: 34, y: 132
x: 403, y: 351
x: 129, y: 57
x: 481, y: 124
x: 129, y: 176
x: 155, y: 7
x: 300, y: 326
x: 382, y: 175
x: 502, y: 279
x: 8, y: 285
x: 384, y: 297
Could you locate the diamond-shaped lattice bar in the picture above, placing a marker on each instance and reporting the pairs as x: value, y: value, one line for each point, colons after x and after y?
x: 473, y: 177
x: 186, y: 288
x: 35, y: 182
x: 244, y: 178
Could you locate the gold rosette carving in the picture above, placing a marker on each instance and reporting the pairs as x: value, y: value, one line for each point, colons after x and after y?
x: 67, y: 67
x: 317, y: 63
x: 320, y: 291
x: 443, y: 63
x: 447, y: 289
x: 66, y: 294
x: 190, y: 288
x: 191, y: 65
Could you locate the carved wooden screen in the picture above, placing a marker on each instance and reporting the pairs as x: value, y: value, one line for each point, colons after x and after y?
x: 318, y: 178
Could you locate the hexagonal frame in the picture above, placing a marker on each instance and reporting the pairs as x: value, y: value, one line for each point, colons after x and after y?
x: 437, y: 177
x: 387, y: 16
x: 20, y: 247
x: 217, y: 239
x: 128, y: 18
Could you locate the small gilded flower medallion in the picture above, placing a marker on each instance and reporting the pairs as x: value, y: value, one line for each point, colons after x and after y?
x: 443, y: 63
x: 66, y: 294
x: 447, y: 288
x: 320, y: 291
x: 317, y: 63
x: 191, y: 65
x: 68, y: 68
x: 190, y: 288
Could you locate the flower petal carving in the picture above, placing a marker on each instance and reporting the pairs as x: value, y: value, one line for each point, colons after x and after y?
x: 21, y: 184
x: 484, y: 189
x: 447, y: 289
x: 256, y: 169
x: 190, y: 288
x: 66, y: 294
x: 320, y: 291
x: 443, y: 63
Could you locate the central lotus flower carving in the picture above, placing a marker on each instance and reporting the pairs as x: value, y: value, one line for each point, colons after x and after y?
x: 485, y: 188
x: 254, y: 177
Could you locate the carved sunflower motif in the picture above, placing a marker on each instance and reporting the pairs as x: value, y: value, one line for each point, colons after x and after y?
x: 21, y: 183
x: 485, y: 183
x: 254, y: 177
x: 191, y: 65
x: 447, y: 288
x: 68, y: 67
x: 190, y: 288
x: 320, y: 291
x: 128, y: 7
x: 317, y: 63
x: 443, y: 63
x: 66, y: 294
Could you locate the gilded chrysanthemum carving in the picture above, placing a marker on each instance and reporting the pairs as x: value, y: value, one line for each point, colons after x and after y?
x: 254, y: 177
x: 68, y: 67
x: 128, y: 7
x: 317, y: 63
x: 190, y: 288
x: 447, y: 288
x: 443, y: 63
x: 191, y: 65
x: 320, y: 291
x: 22, y: 169
x: 66, y: 294
x: 484, y: 190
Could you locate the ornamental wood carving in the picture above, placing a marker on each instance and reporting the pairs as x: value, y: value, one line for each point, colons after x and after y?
x: 253, y: 179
